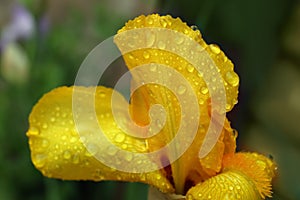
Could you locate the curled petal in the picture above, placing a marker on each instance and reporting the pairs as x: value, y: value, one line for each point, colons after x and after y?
x: 62, y: 149
x: 162, y: 40
x: 227, y: 185
x: 158, y: 46
x: 258, y: 168
x: 244, y: 176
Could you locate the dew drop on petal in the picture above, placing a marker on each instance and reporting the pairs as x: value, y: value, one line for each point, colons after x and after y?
x: 163, y: 22
x: 146, y: 55
x: 194, y: 27
x: 190, y: 68
x: 120, y: 137
x: 128, y: 157
x: 228, y: 106
x: 181, y: 89
x: 33, y: 131
x: 232, y: 78
x: 204, y: 90
x: 39, y: 160
x: 45, y: 143
x: 130, y: 56
x: 150, y: 39
x: 112, y: 150
x: 44, y: 126
x: 158, y: 123
x: 73, y: 139
x: 102, y: 94
x: 67, y: 154
x: 179, y: 40
x: 215, y: 48
x: 158, y: 176
x: 153, y: 67
x: 92, y: 148
x: 161, y: 45
x: 76, y: 158
x: 149, y: 20
x: 124, y: 146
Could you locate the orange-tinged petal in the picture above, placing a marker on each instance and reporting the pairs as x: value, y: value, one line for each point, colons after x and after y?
x: 225, y: 186
x: 158, y: 47
x: 226, y: 144
x: 62, y: 149
x: 244, y: 176
x: 155, y: 50
x: 260, y: 169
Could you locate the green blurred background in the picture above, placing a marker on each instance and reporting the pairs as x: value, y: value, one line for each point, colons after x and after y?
x: 44, y: 42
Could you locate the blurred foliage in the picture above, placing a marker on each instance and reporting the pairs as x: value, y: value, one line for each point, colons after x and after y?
x: 261, y: 38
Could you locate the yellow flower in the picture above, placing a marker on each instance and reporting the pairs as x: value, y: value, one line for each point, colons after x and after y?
x: 66, y: 145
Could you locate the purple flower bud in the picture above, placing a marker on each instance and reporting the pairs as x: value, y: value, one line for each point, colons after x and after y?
x: 21, y: 26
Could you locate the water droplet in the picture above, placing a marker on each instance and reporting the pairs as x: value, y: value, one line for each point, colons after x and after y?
x: 149, y: 20
x: 128, y: 156
x: 232, y: 78
x: 215, y: 48
x: 186, y: 31
x: 87, y: 163
x: 39, y: 160
x: 130, y: 56
x: 44, y: 126
x: 33, y: 131
x: 201, y: 101
x: 102, y: 94
x: 92, y: 149
x: 67, y: 154
x: 131, y: 44
x: 45, y: 143
x: 179, y: 39
x: 153, y: 67
x: 158, y: 176
x: 163, y: 22
x: 190, y: 68
x: 204, y: 90
x: 83, y: 139
x: 112, y: 150
x: 228, y: 106
x: 146, y: 55
x: 225, y: 59
x: 150, y: 39
x: 194, y: 27
x: 120, y: 137
x: 76, y: 158
x: 124, y: 146
x: 161, y: 45
x: 181, y: 89
x: 73, y: 139
x: 158, y: 123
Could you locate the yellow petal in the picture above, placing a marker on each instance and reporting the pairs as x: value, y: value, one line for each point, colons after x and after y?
x: 226, y: 144
x: 227, y: 185
x: 244, y: 176
x: 61, y: 148
x: 155, y: 45
x: 258, y: 168
x: 169, y: 42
